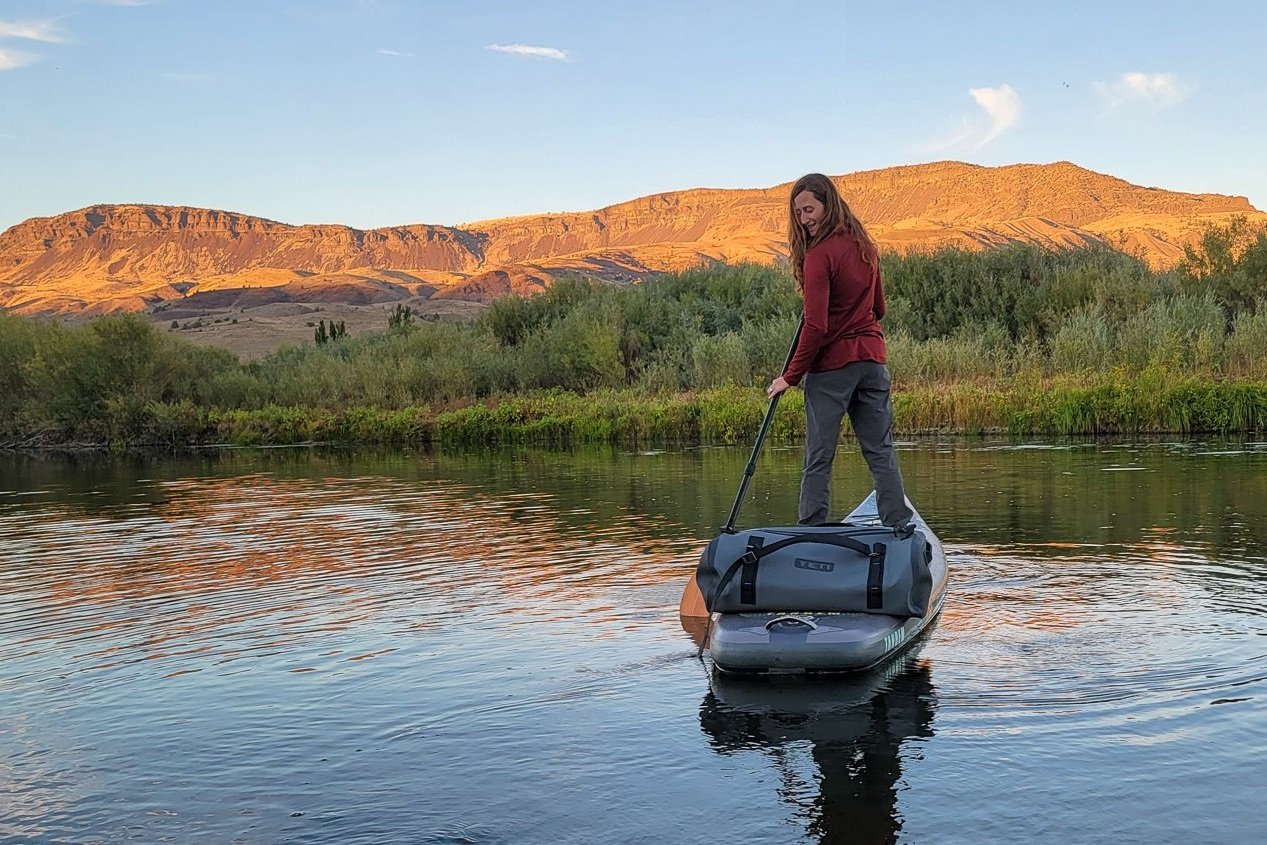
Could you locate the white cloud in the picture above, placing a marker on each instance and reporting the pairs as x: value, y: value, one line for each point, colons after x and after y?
x: 1001, y: 105
x: 386, y: 52
x: 45, y: 31
x: 533, y: 52
x: 118, y: 2
x: 188, y: 77
x: 1001, y: 109
x: 8, y: 137
x: 9, y: 59
x: 1157, y: 90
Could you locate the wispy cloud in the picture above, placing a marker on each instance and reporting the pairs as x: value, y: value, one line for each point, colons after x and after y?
x: 532, y: 52
x: 385, y: 52
x: 1156, y: 90
x: 1000, y: 110
x: 45, y: 30
x: 9, y: 59
x: 1001, y: 105
x: 119, y: 2
x: 188, y: 77
x: 6, y: 136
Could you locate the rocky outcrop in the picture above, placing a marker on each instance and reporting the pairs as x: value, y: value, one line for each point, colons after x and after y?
x: 112, y: 257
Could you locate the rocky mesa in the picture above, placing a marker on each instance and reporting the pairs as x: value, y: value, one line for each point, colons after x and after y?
x: 137, y: 257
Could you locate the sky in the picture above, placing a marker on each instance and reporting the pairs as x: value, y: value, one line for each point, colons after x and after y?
x: 392, y: 112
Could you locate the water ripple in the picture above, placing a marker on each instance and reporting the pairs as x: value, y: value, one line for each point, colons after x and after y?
x: 1100, y: 633
x: 487, y: 650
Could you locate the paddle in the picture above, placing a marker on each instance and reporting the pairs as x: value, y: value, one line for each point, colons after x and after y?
x: 729, y: 527
x: 692, y: 611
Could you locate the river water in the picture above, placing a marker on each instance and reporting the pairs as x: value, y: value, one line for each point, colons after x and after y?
x: 483, y: 647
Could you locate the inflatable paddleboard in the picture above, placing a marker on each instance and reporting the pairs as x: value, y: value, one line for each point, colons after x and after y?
x: 810, y: 639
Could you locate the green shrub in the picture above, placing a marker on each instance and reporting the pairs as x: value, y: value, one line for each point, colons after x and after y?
x: 1012, y: 339
x: 1084, y: 341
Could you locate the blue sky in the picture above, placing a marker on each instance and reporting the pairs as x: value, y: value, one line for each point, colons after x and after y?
x: 390, y: 112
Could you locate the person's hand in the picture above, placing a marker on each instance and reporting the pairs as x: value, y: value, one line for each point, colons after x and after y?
x: 776, y: 387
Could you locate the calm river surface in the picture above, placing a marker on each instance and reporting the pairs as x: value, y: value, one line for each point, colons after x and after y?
x: 484, y: 647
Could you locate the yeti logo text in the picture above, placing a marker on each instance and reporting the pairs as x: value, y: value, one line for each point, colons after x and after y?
x: 815, y: 565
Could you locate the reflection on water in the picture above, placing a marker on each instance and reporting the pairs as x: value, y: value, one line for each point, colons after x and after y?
x: 287, y: 645
x: 838, y: 745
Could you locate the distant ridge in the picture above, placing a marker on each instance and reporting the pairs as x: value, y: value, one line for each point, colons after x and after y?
x: 136, y: 257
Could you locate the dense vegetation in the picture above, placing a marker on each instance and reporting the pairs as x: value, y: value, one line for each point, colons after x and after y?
x: 1018, y: 339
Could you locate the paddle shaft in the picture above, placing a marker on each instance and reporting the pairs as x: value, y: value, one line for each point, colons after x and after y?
x: 750, y: 470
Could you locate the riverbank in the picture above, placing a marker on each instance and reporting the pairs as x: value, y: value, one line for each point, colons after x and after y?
x: 1147, y: 403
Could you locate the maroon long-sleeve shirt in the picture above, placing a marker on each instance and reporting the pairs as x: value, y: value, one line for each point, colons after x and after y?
x: 844, y: 301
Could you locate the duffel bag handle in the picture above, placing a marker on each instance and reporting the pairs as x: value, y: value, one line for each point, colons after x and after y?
x: 842, y: 540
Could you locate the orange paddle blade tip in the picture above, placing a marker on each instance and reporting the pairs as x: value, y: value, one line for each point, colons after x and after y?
x: 692, y: 613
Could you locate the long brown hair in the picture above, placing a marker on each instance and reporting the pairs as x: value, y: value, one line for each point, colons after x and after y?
x: 837, y: 217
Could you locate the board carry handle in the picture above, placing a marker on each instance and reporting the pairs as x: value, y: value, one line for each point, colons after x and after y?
x: 799, y: 620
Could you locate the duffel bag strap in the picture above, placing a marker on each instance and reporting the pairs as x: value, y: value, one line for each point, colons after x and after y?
x: 748, y: 576
x: 875, y: 578
x: 748, y: 558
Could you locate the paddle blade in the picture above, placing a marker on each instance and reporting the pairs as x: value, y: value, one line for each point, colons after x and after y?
x: 692, y: 613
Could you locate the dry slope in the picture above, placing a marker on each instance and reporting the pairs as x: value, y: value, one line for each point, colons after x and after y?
x: 136, y: 257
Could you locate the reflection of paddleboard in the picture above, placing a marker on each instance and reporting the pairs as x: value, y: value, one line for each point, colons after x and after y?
x: 742, y: 709
x: 836, y: 741
x: 809, y: 640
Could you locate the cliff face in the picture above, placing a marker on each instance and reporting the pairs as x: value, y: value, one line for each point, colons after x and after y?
x: 113, y: 257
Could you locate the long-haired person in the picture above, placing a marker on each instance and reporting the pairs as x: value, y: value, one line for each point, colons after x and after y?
x: 840, y: 358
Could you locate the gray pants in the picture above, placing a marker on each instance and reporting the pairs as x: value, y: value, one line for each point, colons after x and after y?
x: 861, y: 389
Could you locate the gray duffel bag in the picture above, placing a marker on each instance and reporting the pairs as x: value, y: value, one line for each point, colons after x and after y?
x: 824, y: 568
